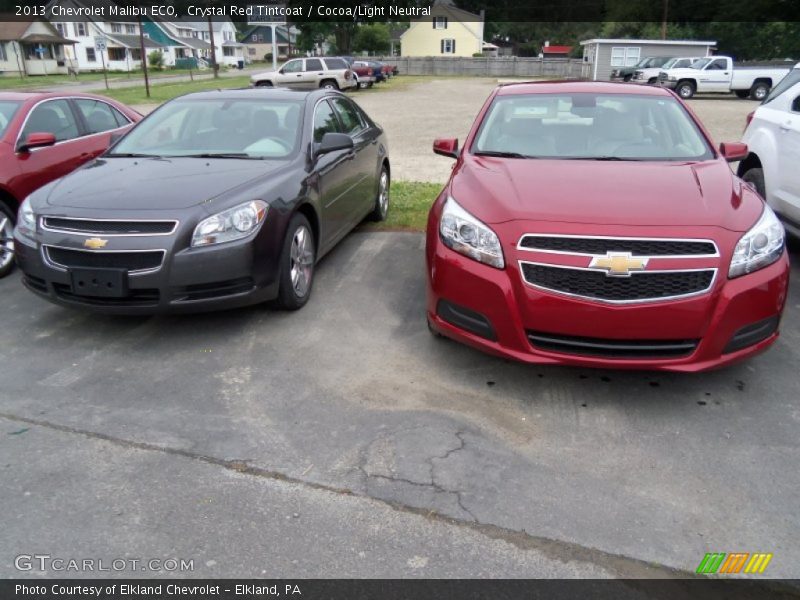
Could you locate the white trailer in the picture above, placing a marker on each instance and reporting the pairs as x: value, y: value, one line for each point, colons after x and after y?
x: 718, y: 74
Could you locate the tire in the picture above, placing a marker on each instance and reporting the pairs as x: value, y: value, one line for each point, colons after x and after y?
x: 685, y: 89
x: 7, y: 222
x: 296, y: 265
x: 381, y: 208
x: 627, y: 78
x: 328, y: 84
x: 759, y: 91
x: 755, y: 176
x: 267, y: 84
x: 743, y: 94
x: 362, y: 85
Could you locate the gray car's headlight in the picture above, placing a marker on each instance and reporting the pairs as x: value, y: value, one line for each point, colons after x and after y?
x: 759, y: 247
x: 465, y: 234
x: 26, y: 218
x: 232, y: 224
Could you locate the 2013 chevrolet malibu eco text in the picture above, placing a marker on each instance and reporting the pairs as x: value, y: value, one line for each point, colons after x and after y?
x: 595, y: 224
x: 215, y: 200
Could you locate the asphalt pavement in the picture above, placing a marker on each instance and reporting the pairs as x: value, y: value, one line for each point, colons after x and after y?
x: 343, y: 440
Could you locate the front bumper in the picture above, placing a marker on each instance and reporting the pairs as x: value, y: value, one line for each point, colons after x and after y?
x: 495, y: 311
x: 215, y: 277
x: 668, y: 84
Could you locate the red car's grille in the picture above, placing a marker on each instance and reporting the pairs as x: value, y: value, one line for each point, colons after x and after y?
x: 639, y: 287
x: 608, y: 348
x: 599, y: 245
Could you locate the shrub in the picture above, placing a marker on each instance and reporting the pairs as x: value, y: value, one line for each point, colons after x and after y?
x: 156, y: 59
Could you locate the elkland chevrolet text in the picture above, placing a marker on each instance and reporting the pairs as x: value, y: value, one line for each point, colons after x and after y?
x: 595, y: 224
x: 215, y: 200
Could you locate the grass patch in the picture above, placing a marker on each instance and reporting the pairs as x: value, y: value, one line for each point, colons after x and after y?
x: 161, y: 92
x: 45, y: 81
x: 409, y: 204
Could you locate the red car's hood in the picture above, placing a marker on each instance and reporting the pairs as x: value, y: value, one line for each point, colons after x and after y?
x: 605, y: 192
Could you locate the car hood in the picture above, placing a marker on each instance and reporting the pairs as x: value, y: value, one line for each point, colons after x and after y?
x: 153, y: 183
x: 497, y: 190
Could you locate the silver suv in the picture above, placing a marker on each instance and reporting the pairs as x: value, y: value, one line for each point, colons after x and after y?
x: 308, y: 73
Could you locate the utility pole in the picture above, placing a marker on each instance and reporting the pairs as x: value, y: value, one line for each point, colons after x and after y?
x: 214, y: 65
x: 143, y: 57
x: 664, y: 20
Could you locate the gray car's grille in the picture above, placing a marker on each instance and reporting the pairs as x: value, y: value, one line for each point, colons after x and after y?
x: 639, y: 287
x: 80, y: 259
x: 637, y: 247
x: 108, y: 227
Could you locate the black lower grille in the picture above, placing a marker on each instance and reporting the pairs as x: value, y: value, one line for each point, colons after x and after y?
x: 638, y: 247
x: 597, y: 285
x: 79, y: 259
x: 608, y: 348
x: 35, y: 283
x: 109, y: 227
x: 217, y: 289
x: 135, y: 297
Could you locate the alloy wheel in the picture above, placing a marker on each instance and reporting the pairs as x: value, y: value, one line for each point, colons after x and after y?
x: 383, y: 193
x: 301, y: 259
x: 6, y: 241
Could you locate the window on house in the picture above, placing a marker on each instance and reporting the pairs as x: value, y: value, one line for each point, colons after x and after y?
x: 624, y: 57
x: 61, y: 28
x: 136, y: 54
x: 255, y: 38
x: 130, y: 29
x: 80, y: 29
x: 228, y: 51
x: 251, y: 51
x: 90, y: 55
x: 116, y: 54
x: 440, y: 22
x: 116, y: 28
x: 448, y: 46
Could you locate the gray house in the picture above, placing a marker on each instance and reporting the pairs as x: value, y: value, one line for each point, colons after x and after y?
x: 601, y: 56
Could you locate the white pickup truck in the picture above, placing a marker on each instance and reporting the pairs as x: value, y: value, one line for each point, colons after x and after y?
x: 718, y: 74
x: 650, y: 74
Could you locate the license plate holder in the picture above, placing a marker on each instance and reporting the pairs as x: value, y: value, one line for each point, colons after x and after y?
x: 100, y: 283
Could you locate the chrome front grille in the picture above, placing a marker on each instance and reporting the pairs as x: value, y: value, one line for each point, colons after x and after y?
x: 591, y: 246
x: 112, y: 227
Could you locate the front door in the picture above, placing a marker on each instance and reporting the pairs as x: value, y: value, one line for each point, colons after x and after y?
x: 312, y: 74
x: 290, y: 74
x: 716, y: 77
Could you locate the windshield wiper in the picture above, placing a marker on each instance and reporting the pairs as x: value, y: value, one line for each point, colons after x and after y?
x: 216, y: 155
x: 133, y: 155
x: 502, y: 154
x: 603, y: 158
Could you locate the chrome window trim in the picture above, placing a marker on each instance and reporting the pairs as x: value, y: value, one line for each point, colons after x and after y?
x: 618, y: 237
x: 59, y: 267
x: 42, y: 218
x: 633, y: 274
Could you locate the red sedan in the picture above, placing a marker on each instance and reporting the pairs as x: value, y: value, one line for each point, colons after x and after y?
x: 596, y: 224
x: 43, y: 136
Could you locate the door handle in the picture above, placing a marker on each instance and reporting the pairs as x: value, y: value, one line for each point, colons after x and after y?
x: 786, y: 126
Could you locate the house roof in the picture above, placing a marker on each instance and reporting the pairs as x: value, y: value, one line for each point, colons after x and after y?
x: 195, y: 43
x: 658, y: 42
x: 464, y: 15
x: 46, y: 38
x: 132, y: 41
x: 556, y: 49
x: 266, y: 30
x: 13, y: 30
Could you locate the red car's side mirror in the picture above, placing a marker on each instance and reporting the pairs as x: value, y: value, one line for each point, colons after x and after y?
x: 446, y: 147
x: 733, y: 151
x: 37, y: 140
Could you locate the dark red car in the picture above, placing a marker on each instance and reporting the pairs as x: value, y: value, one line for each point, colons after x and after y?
x: 596, y: 224
x: 43, y: 136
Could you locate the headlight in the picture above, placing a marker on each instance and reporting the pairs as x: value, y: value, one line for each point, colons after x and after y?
x: 672, y: 78
x: 232, y: 224
x: 759, y: 247
x: 26, y: 218
x: 465, y: 234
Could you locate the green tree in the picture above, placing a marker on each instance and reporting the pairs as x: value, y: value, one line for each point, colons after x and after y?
x: 374, y: 39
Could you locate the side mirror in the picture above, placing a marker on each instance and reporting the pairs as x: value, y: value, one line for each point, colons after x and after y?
x: 280, y: 71
x: 733, y: 151
x: 37, y: 140
x: 446, y: 147
x: 331, y: 142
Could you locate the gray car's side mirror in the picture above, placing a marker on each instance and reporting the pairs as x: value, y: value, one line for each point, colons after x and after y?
x: 331, y: 142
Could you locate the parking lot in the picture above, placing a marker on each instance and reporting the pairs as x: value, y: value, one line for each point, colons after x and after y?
x: 343, y: 440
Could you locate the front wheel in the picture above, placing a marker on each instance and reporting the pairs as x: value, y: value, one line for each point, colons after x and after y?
x: 759, y: 91
x: 329, y: 84
x: 297, y: 265
x: 755, y: 177
x: 381, y: 208
x: 6, y: 240
x: 267, y: 84
x: 685, y: 89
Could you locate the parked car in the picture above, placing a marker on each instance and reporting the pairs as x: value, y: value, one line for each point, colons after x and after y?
x: 537, y: 252
x: 375, y: 69
x: 626, y: 73
x: 215, y: 200
x: 649, y: 75
x: 44, y: 136
x: 772, y: 136
x: 331, y: 73
x: 717, y: 74
x: 362, y: 72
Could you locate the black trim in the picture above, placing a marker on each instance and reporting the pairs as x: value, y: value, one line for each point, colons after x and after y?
x: 466, y: 319
x: 752, y: 334
x: 611, y: 348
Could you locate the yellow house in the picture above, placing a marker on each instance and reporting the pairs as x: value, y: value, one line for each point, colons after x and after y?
x: 448, y: 31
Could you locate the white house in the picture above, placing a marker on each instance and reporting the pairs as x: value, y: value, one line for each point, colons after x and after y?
x: 185, y: 38
x: 33, y: 48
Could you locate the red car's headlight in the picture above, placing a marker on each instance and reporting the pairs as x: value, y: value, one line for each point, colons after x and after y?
x: 465, y: 234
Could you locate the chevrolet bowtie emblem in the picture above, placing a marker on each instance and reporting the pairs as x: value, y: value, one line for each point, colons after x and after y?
x: 618, y: 264
x: 95, y: 243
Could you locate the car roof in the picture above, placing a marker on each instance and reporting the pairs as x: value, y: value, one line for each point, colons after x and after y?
x: 25, y: 95
x: 260, y: 94
x: 579, y: 87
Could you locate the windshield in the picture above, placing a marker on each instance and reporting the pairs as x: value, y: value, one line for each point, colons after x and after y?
x: 252, y: 128
x: 590, y: 126
x: 7, y: 110
x: 784, y: 84
x: 643, y: 63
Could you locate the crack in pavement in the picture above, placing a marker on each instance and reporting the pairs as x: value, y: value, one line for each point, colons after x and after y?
x: 623, y: 566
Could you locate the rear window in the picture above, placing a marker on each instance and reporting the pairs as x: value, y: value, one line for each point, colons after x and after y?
x: 335, y: 63
x: 784, y: 84
x: 7, y: 110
